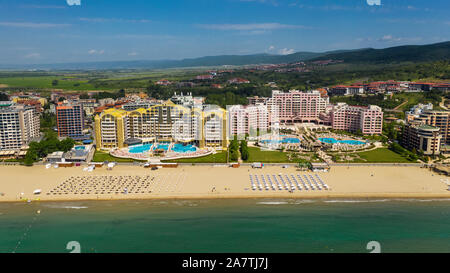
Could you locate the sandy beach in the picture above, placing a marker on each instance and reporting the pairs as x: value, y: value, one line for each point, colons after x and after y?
x: 18, y: 183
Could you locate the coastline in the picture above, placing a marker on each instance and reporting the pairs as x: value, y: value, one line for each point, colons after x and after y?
x: 218, y: 182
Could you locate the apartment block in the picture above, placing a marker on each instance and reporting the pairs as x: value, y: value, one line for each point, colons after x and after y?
x: 19, y: 125
x: 417, y: 135
x: 440, y: 119
x: 70, y: 119
x: 369, y: 120
x: 297, y: 106
x: 166, y: 122
x: 249, y: 120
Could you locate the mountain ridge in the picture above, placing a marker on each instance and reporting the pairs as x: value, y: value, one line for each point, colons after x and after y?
x: 407, y: 53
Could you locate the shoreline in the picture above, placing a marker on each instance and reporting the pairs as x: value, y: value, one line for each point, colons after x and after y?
x: 343, y: 197
x: 214, y: 183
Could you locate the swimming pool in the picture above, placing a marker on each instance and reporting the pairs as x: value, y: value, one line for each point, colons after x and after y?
x: 177, y: 148
x: 333, y: 141
x: 164, y: 147
x: 180, y: 148
x: 286, y: 140
x: 78, y: 148
x: 138, y: 149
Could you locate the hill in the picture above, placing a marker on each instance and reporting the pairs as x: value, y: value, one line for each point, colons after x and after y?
x: 411, y: 53
x: 399, y: 54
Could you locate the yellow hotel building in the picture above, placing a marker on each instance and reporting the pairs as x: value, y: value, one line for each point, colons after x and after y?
x: 167, y: 122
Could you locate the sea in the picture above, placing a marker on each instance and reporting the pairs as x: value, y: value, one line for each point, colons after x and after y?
x: 227, y: 226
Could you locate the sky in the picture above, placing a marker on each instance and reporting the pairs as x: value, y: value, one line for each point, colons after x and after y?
x: 61, y: 31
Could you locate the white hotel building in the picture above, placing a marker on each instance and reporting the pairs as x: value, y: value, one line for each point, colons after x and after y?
x: 19, y: 124
x: 249, y: 119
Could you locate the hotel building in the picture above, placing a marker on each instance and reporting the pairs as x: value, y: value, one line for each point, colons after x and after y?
x: 369, y: 120
x: 70, y: 119
x: 19, y: 124
x: 247, y: 120
x: 422, y: 137
x: 167, y: 122
x: 296, y: 106
x: 440, y: 119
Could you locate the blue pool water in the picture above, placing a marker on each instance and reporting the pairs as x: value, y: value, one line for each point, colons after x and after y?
x: 333, y: 141
x: 140, y: 148
x: 180, y: 148
x: 287, y: 140
x: 79, y: 148
x: 164, y: 147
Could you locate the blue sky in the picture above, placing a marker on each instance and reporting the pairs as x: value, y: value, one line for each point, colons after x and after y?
x: 52, y: 31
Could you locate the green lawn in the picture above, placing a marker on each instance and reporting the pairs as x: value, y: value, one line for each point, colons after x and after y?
x: 220, y: 157
x: 102, y: 157
x: 382, y: 155
x: 256, y: 155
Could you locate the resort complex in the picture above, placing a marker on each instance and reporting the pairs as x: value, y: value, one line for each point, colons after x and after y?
x: 160, y: 126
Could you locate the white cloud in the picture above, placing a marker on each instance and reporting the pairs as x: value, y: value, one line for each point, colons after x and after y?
x: 389, y: 38
x: 42, y: 7
x: 270, y: 2
x: 271, y: 48
x: 286, y: 51
x: 96, y: 52
x: 33, y: 56
x: 73, y: 2
x: 374, y: 2
x: 31, y: 25
x: 106, y: 20
x: 133, y: 54
x: 250, y: 27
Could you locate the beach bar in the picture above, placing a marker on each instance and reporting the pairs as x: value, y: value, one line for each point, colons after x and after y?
x: 320, y: 167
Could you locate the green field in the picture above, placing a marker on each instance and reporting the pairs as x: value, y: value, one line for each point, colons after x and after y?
x: 256, y: 155
x: 220, y: 157
x: 98, y: 80
x: 46, y: 83
x: 382, y: 155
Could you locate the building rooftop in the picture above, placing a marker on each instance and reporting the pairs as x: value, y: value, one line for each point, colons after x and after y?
x: 428, y: 127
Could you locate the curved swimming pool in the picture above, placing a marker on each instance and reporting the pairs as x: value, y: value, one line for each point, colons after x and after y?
x: 177, y: 148
x: 333, y: 141
x: 286, y: 140
x: 180, y: 148
x: 138, y: 149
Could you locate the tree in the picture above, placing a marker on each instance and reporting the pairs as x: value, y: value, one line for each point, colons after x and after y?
x: 244, y: 150
x: 66, y: 145
x: 55, y: 82
x: 30, y: 157
x: 234, y: 155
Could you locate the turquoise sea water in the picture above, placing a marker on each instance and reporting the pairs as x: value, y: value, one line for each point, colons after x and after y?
x: 332, y: 141
x: 253, y: 225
